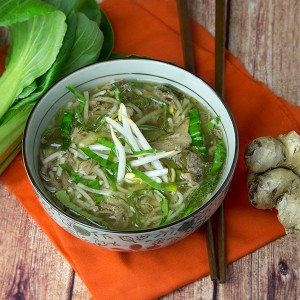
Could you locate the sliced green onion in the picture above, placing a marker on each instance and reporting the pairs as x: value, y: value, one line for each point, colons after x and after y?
x: 117, y: 91
x: 100, y: 160
x: 106, y: 143
x: 102, y: 120
x: 163, y: 186
x: 164, y: 207
x: 64, y: 198
x: 65, y: 129
x: 112, y: 155
x: 79, y: 96
x: 132, y: 206
x: 111, y: 180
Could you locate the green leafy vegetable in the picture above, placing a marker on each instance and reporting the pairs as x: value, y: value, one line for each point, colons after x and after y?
x: 86, y: 47
x: 35, y: 44
x: 14, y: 11
x: 89, y: 7
x: 108, y: 33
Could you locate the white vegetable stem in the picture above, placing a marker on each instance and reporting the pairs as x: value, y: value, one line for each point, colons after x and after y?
x: 145, y: 145
x: 154, y: 173
x: 120, y: 151
x: 86, y: 106
x: 152, y: 158
x: 129, y: 135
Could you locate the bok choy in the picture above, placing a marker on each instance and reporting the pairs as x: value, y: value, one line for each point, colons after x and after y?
x: 48, y: 40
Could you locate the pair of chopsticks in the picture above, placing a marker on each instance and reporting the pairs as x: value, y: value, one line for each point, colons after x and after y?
x: 217, y: 266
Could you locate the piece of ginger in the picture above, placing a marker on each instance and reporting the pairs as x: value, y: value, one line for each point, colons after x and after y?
x: 273, y: 178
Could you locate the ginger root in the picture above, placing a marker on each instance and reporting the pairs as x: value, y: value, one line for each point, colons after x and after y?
x: 273, y: 178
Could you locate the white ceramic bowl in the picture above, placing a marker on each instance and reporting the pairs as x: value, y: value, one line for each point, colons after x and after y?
x: 143, y: 69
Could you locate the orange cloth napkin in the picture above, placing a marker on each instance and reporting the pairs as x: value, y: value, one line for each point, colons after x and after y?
x: 150, y: 27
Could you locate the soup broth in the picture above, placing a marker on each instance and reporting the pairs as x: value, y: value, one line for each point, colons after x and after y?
x: 131, y: 155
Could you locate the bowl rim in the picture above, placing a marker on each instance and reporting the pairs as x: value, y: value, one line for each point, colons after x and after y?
x: 217, y: 193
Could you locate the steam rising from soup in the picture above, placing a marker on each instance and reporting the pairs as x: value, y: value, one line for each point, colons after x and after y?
x: 131, y: 155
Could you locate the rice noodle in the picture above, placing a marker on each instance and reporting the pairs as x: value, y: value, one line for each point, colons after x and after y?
x: 116, y: 125
x: 80, y: 188
x: 52, y: 156
x: 78, y: 153
x: 59, y: 169
x: 101, y: 174
x: 129, y: 104
x: 88, y: 189
x: 113, y: 110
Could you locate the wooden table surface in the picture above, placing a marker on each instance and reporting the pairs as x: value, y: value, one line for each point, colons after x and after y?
x: 265, y: 36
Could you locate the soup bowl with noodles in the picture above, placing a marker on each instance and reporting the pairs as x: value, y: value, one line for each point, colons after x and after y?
x: 130, y: 154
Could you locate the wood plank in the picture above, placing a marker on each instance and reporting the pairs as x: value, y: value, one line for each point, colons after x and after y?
x: 264, y: 34
x: 31, y: 268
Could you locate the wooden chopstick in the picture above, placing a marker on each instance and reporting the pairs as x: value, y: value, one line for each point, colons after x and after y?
x: 220, y: 32
x: 189, y: 64
x: 186, y: 36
